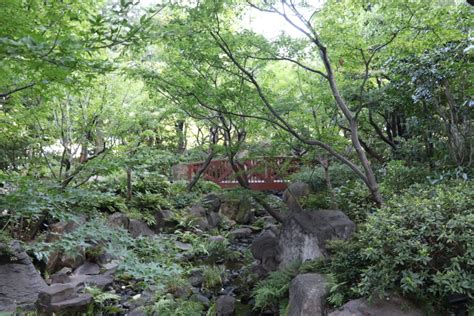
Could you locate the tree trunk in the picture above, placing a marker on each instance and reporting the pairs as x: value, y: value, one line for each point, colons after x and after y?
x: 201, y: 170
x: 180, y: 133
x: 353, y: 125
x: 325, y: 164
x: 129, y: 184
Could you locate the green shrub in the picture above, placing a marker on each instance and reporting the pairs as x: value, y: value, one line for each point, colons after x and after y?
x: 152, y: 260
x: 399, y: 177
x: 213, y: 277
x: 343, y: 269
x: 422, y: 244
x: 314, y: 176
x: 150, y: 182
x: 354, y: 199
x: 318, y: 200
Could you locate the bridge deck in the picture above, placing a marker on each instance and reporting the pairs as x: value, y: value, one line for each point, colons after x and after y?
x: 261, y: 173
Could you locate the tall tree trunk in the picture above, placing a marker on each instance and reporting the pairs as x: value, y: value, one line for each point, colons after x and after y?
x: 181, y: 134
x: 99, y: 139
x: 353, y: 125
x: 129, y: 184
x: 84, y: 153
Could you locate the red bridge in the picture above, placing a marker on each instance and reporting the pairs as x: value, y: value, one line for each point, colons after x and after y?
x: 261, y: 173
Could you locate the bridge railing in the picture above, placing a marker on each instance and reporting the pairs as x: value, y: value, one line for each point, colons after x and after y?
x: 261, y: 173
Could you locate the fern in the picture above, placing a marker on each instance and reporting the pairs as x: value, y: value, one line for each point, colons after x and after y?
x: 100, y: 297
x: 270, y: 292
x: 168, y: 306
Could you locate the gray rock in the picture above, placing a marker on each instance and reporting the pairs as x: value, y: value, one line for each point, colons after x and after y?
x: 159, y: 221
x: 73, y: 305
x: 195, y: 279
x: 217, y: 239
x: 105, y: 257
x: 56, y: 293
x: 307, y: 295
x: 20, y: 283
x: 118, y: 220
x: 238, y: 210
x: 137, y: 312
x: 7, y: 306
x: 147, y: 297
x: 201, y: 299
x: 183, y: 246
x: 198, y: 215
x: 211, y: 203
x: 137, y: 228
x: 58, y: 260
x: 304, y: 234
x: 214, y: 219
x: 100, y: 281
x: 258, y: 271
x: 62, y: 298
x: 390, y: 306
x: 293, y: 194
x: 110, y: 268
x: 62, y: 276
x: 265, y: 248
x: 225, y: 305
x: 244, y: 212
x: 240, y: 232
x: 88, y: 268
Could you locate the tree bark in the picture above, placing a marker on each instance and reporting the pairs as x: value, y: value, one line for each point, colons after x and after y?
x: 129, y: 184
x: 325, y: 164
x: 201, y: 170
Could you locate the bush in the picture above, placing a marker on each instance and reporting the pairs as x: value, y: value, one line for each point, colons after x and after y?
x: 343, y: 270
x: 354, y: 199
x: 315, y: 176
x: 420, y: 244
x: 398, y: 176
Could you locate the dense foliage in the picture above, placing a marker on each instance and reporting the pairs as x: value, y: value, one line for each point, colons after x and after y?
x: 102, y: 102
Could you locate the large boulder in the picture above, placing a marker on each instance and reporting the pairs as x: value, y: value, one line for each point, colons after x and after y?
x: 198, y: 214
x: 307, y: 295
x: 159, y: 221
x: 118, y: 220
x: 135, y: 227
x: 20, y: 283
x: 58, y: 260
x: 265, y: 249
x: 293, y: 194
x: 88, y: 268
x: 304, y: 234
x: 138, y: 228
x: 211, y: 203
x: 389, y: 306
x: 62, y: 299
x: 225, y: 305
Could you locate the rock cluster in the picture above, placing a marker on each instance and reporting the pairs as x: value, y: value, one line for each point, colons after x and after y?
x: 20, y: 283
